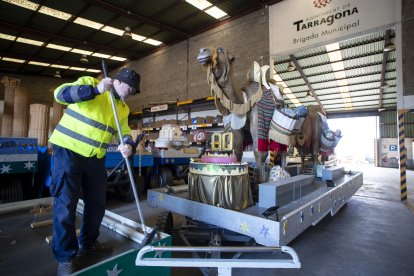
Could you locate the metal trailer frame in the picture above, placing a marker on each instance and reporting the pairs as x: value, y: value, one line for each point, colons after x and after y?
x: 275, y: 230
x: 224, y: 266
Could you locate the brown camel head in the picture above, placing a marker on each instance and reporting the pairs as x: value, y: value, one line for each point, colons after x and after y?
x: 220, y: 60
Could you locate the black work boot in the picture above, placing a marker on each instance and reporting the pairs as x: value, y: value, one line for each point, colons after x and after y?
x: 95, y: 248
x: 66, y: 268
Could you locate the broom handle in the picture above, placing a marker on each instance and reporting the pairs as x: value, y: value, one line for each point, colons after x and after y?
x: 131, y: 176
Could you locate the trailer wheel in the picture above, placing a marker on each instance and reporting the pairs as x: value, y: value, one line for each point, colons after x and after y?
x: 165, y: 223
x: 126, y: 192
x: 163, y: 178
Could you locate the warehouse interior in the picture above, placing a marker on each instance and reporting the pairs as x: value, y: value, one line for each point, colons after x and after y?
x: 347, y: 214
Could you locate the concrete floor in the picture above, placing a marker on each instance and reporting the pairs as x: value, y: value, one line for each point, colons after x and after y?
x: 371, y: 235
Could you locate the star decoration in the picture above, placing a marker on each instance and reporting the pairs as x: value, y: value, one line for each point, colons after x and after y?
x: 6, y: 169
x: 28, y: 165
x: 264, y: 231
x: 159, y: 253
x: 114, y: 272
x: 285, y: 227
x: 161, y: 198
x: 244, y: 227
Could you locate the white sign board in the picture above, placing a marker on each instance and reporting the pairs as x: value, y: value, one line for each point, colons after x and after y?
x: 159, y: 108
x: 298, y: 24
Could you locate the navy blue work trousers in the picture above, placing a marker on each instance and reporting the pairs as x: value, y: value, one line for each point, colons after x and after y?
x: 72, y: 172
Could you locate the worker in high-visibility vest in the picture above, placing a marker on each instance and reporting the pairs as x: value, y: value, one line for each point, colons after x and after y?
x: 79, y: 147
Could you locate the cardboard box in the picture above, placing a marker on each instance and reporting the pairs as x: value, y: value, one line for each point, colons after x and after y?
x: 210, y: 119
x: 198, y: 120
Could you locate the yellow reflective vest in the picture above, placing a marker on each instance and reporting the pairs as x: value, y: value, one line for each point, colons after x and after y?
x: 87, y: 126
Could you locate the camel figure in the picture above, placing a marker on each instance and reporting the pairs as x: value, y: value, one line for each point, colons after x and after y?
x: 308, y: 140
x: 241, y: 105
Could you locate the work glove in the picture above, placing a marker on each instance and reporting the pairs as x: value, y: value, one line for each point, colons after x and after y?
x: 104, y: 85
x: 125, y: 150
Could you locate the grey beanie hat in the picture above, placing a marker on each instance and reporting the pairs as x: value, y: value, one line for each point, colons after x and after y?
x: 129, y: 77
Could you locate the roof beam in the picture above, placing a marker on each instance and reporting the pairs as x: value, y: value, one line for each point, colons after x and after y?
x: 345, y: 59
x: 349, y: 78
x: 305, y: 79
x: 112, y: 50
x: 135, y: 16
x: 384, y: 66
x: 349, y: 69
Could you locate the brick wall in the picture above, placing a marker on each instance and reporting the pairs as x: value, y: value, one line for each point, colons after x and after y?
x: 166, y: 74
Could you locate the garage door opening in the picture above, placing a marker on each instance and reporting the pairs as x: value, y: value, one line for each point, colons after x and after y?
x: 357, y: 146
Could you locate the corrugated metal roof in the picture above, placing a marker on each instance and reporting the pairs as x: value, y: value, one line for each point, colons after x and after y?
x: 359, y: 74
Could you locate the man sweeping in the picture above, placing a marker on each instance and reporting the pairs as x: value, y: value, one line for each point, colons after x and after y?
x: 80, y: 141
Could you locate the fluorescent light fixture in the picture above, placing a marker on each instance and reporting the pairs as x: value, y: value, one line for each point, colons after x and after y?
x: 332, y: 47
x: 152, y: 41
x: 113, y: 30
x: 343, y: 89
x: 55, y: 13
x: 39, y: 63
x: 88, y: 23
x: 338, y: 66
x: 24, y: 4
x: 335, y: 56
x: 30, y: 41
x: 76, y: 68
x: 80, y: 51
x: 216, y: 12
x: 101, y: 55
x: 342, y: 82
x: 58, y: 47
x: 83, y: 21
x: 340, y: 75
x: 59, y: 66
x: 138, y: 37
x: 13, y: 60
x: 7, y: 37
x: 199, y: 4
x: 93, y: 70
x: 118, y: 58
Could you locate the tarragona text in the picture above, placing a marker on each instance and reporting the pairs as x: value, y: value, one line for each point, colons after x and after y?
x: 329, y: 20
